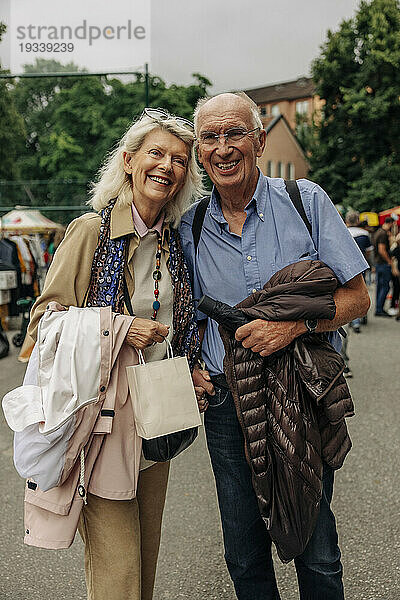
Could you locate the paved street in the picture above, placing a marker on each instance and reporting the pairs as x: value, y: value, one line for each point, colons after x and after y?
x: 191, y: 563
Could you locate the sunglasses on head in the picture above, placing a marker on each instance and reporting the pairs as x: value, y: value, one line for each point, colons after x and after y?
x: 160, y: 114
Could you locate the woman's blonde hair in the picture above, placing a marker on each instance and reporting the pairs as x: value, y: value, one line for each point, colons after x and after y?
x: 113, y: 182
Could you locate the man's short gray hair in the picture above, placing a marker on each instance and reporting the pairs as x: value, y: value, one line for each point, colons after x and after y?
x: 352, y: 218
x: 255, y: 115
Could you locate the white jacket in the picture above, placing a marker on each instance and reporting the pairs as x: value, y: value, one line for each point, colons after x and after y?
x: 62, y: 378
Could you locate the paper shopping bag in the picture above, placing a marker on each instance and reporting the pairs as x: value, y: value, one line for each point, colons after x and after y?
x: 163, y: 396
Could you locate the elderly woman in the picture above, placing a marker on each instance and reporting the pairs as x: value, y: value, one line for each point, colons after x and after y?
x: 131, y: 242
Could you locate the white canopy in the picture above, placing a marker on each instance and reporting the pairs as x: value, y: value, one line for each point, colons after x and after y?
x: 27, y: 221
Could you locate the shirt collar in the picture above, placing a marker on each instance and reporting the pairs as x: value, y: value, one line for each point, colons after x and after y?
x: 122, y: 223
x: 141, y: 226
x: 215, y: 207
x: 258, y: 200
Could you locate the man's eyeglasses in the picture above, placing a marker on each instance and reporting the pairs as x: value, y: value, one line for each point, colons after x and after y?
x: 160, y: 114
x: 210, y: 138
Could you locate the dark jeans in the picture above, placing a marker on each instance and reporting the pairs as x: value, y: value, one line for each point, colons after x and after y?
x: 383, y: 277
x: 247, y: 542
x: 396, y: 291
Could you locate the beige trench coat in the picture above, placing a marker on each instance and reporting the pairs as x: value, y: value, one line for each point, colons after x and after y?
x: 68, y: 278
x: 112, y: 461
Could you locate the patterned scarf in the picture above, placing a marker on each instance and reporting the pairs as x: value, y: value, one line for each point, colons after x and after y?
x: 106, y: 286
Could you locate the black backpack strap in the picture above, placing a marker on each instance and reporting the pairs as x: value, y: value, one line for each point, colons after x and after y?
x: 198, y: 219
x: 294, y: 193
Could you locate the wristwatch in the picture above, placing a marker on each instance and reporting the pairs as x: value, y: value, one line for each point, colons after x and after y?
x: 311, y: 324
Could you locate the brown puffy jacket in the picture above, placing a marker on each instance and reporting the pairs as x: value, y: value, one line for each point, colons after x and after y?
x: 291, y: 405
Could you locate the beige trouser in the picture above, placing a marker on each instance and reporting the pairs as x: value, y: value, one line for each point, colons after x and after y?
x: 122, y: 539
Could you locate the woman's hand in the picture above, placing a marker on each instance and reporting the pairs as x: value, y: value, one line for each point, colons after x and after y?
x: 202, y: 384
x: 145, y: 332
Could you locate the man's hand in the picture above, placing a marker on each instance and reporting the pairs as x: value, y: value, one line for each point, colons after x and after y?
x: 266, y: 337
x: 202, y: 384
x: 145, y: 332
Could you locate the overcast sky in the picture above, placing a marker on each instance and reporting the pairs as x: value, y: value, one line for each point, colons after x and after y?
x: 239, y: 43
x: 235, y: 43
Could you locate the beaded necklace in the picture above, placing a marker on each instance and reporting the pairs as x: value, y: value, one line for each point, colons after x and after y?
x: 157, y: 276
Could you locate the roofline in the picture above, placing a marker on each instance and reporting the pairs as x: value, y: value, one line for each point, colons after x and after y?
x: 272, y: 85
x: 261, y: 87
x: 271, y: 125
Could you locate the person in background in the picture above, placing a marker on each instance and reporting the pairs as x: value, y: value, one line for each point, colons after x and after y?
x: 370, y: 256
x: 394, y: 301
x: 383, y: 266
x: 395, y: 253
x: 50, y: 248
x: 363, y: 241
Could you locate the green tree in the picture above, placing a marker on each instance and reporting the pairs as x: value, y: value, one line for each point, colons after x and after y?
x: 378, y: 186
x: 34, y: 101
x: 356, y: 143
x: 12, y: 131
x: 72, y: 123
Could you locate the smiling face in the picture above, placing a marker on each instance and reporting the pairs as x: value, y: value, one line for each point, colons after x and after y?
x: 230, y: 166
x: 158, y: 170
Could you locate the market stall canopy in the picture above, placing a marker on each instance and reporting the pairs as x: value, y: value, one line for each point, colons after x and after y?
x: 390, y: 212
x: 27, y: 221
x: 372, y: 218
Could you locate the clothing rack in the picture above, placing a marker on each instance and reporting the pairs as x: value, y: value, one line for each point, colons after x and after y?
x: 27, y: 256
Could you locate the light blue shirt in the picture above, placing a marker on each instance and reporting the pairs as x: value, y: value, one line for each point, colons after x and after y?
x: 229, y: 267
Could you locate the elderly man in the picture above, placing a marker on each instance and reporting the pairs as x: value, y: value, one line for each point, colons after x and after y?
x: 251, y: 230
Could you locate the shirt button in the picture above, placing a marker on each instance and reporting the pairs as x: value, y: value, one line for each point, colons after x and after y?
x: 254, y: 290
x: 249, y: 257
x: 103, y: 388
x: 261, y: 215
x: 106, y: 332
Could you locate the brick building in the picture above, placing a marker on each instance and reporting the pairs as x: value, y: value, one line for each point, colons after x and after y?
x: 279, y: 105
x: 287, y: 99
x: 283, y: 155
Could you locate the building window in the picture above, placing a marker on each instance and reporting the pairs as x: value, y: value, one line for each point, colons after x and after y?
x: 280, y: 170
x: 275, y: 112
x: 290, y: 171
x: 263, y: 111
x: 302, y: 107
x: 270, y: 169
